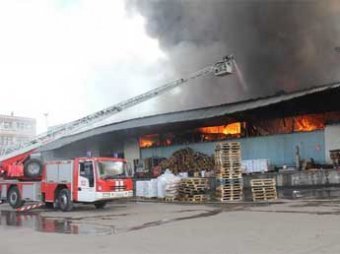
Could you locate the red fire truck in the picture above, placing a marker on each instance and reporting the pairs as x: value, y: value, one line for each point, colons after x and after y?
x: 62, y: 183
x: 83, y: 180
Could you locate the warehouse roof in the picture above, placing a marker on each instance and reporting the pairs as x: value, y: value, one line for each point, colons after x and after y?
x: 111, y: 124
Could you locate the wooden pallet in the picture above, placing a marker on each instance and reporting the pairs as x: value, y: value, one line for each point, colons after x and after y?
x: 229, y: 195
x: 264, y: 197
x: 227, y: 156
x: 194, y: 181
x: 191, y: 187
x: 193, y: 198
x: 192, y: 192
x: 263, y: 189
x: 196, y: 187
x: 263, y: 182
x: 227, y: 153
x: 226, y: 149
x: 235, y: 145
x: 229, y: 176
x: 225, y: 181
x: 260, y: 194
x: 231, y: 198
x: 219, y: 169
x: 230, y: 150
x: 228, y: 164
x: 220, y: 147
x: 228, y: 171
x: 198, y: 196
x: 229, y: 188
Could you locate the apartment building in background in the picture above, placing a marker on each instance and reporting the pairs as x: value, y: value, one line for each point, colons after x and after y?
x: 16, y: 130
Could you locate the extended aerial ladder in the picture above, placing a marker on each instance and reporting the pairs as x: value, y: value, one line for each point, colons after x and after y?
x: 221, y: 68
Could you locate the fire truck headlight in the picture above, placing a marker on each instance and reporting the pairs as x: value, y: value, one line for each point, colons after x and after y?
x: 100, y: 188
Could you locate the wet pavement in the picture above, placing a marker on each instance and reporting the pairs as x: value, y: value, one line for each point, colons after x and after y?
x: 139, y: 227
x: 85, y: 222
x: 110, y: 221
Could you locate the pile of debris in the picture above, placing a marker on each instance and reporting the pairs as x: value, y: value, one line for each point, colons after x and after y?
x: 193, y: 190
x: 228, y: 171
x: 187, y: 160
x: 263, y: 189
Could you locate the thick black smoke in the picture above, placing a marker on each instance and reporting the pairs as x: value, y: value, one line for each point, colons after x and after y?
x: 278, y: 45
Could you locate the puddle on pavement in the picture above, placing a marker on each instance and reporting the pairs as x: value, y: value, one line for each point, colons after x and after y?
x: 50, y: 225
x: 67, y: 226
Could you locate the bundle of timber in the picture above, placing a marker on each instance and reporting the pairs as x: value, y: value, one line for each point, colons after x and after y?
x: 193, y: 189
x: 187, y: 160
x: 228, y: 171
x: 263, y: 189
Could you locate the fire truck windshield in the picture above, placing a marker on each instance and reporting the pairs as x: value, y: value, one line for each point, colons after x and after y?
x: 111, y: 169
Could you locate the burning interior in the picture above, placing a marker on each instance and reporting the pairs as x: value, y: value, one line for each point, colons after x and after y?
x: 247, y: 128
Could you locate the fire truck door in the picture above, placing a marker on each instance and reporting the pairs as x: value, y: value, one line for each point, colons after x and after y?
x: 86, y: 182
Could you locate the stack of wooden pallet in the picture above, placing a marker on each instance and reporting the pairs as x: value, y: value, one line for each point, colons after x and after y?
x: 228, y: 171
x: 193, y: 189
x: 263, y: 189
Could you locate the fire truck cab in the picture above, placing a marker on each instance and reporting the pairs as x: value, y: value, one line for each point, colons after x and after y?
x: 63, y: 183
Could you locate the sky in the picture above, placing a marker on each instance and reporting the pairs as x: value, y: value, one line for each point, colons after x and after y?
x: 69, y: 58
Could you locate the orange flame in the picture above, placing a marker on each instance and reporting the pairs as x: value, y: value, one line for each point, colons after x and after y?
x: 230, y: 129
x: 148, y: 141
x: 145, y: 143
x: 308, y: 123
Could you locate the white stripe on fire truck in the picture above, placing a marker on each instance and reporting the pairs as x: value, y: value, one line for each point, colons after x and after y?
x: 29, y: 207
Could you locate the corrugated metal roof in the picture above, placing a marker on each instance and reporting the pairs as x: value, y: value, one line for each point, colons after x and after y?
x: 108, y: 125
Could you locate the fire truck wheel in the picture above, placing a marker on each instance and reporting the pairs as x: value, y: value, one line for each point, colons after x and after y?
x: 64, y: 200
x: 33, y: 168
x: 14, y: 198
x: 100, y: 205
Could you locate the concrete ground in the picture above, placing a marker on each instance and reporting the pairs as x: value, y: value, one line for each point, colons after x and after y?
x: 293, y: 227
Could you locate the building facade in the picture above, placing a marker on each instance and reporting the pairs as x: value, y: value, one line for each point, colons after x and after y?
x: 16, y: 130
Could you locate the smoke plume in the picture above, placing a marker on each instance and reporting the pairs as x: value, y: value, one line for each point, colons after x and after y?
x: 278, y: 45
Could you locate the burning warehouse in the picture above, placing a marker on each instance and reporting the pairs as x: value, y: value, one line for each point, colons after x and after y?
x: 277, y: 128
x: 296, y: 129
